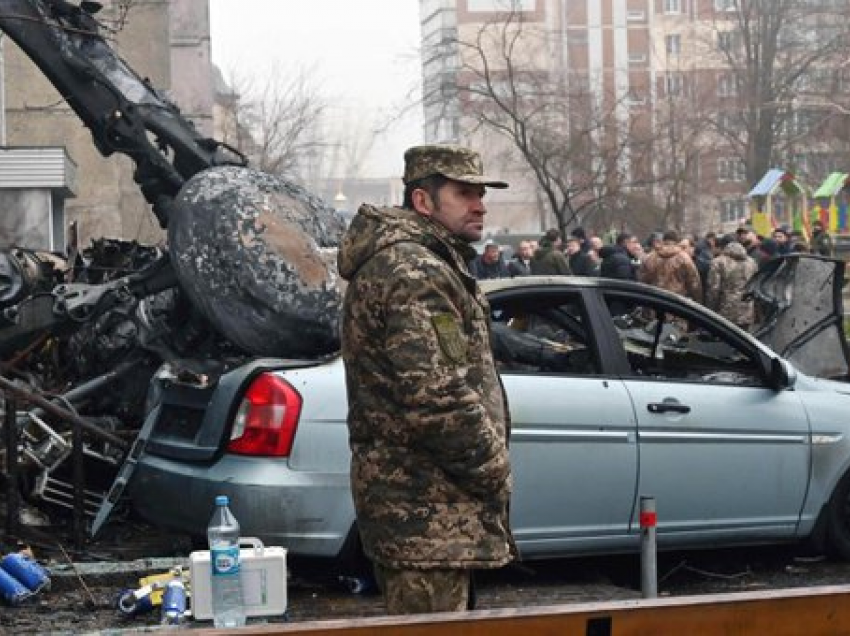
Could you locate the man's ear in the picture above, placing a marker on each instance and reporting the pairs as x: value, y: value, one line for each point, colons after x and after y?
x: 422, y: 202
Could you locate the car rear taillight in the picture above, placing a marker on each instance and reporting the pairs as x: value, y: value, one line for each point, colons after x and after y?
x: 267, y: 418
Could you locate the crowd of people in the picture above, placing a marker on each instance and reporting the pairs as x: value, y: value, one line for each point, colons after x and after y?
x: 712, y: 270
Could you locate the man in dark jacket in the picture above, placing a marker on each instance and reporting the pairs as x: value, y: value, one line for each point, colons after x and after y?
x: 821, y: 240
x: 427, y: 416
x: 580, y: 262
x: 489, y: 263
x: 617, y: 260
x: 520, y: 264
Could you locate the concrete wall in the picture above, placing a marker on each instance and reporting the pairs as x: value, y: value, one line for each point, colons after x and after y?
x: 158, y: 37
x: 27, y: 219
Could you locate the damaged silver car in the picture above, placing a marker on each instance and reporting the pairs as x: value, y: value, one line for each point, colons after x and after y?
x: 617, y: 386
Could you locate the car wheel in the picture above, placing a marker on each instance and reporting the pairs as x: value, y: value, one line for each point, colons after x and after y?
x: 838, y: 529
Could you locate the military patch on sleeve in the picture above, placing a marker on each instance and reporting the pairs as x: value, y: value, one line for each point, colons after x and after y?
x: 452, y: 342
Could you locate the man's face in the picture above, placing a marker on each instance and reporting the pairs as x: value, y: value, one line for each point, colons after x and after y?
x: 525, y: 251
x: 632, y: 246
x: 461, y: 208
x: 573, y: 247
x: 491, y: 253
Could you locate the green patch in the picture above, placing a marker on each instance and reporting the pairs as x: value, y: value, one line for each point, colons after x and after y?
x: 452, y: 342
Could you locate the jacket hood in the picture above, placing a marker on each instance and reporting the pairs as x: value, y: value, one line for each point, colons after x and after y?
x: 736, y: 251
x: 374, y: 229
x: 668, y: 250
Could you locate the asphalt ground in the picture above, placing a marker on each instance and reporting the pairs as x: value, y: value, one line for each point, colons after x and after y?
x: 86, y: 583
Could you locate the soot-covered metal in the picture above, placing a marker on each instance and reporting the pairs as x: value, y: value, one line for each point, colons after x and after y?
x: 257, y: 255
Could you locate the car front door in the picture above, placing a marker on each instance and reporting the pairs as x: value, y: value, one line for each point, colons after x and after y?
x: 725, y: 456
x: 573, y: 441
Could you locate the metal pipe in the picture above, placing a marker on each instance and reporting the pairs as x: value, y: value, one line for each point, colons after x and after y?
x: 648, y: 548
x: 10, y: 428
x: 28, y: 395
x: 92, y: 386
x: 79, y: 486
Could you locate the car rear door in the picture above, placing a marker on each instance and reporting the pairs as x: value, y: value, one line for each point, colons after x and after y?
x: 573, y: 441
x: 725, y: 456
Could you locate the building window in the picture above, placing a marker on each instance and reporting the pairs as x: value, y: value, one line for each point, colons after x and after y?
x: 674, y: 83
x: 725, y: 5
x: 490, y: 6
x: 672, y: 6
x: 730, y: 120
x: 732, y: 211
x: 727, y: 85
x: 636, y: 15
x: 731, y: 169
x: 637, y: 58
x: 673, y: 44
x: 728, y: 40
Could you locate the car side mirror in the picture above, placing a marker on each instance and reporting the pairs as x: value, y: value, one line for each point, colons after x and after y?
x: 778, y: 378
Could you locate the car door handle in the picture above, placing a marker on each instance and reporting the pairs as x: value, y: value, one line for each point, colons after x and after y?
x: 667, y: 407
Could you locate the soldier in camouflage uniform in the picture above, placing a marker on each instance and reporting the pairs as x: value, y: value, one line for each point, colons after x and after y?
x: 727, y: 276
x: 428, y: 420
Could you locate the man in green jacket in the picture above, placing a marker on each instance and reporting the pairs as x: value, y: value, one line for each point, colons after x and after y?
x: 428, y: 419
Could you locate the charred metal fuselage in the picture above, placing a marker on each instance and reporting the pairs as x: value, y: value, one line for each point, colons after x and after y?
x: 249, y: 250
x: 249, y: 269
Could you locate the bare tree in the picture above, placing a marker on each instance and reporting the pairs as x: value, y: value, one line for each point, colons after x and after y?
x: 276, y: 123
x: 777, y: 55
x: 576, y: 139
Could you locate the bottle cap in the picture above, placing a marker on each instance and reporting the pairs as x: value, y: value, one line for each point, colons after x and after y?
x: 222, y: 500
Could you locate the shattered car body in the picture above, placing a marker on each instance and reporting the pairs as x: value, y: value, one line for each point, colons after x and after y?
x: 801, y: 314
x: 623, y: 388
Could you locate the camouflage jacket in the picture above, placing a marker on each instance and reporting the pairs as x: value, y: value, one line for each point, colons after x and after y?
x: 727, y: 276
x: 428, y: 421
x: 670, y: 268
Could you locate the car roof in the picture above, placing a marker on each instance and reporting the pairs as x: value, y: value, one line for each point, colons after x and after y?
x: 518, y: 282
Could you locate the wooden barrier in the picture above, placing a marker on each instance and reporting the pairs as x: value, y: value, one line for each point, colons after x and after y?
x: 811, y: 611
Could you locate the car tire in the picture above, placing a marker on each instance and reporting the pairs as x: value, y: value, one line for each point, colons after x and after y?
x: 838, y: 520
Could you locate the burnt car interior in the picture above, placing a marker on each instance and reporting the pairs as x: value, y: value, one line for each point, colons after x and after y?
x: 662, y: 344
x: 544, y: 335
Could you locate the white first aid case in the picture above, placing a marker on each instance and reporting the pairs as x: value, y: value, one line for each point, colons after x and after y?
x: 263, y: 572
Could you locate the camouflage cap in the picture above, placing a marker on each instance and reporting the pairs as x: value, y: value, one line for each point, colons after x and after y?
x: 453, y: 162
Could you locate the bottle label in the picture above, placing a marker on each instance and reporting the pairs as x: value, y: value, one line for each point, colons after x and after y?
x: 224, y: 561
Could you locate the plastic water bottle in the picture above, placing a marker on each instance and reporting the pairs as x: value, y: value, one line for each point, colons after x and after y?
x: 226, y: 582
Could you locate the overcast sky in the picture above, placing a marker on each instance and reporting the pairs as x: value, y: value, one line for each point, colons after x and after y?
x: 364, y: 52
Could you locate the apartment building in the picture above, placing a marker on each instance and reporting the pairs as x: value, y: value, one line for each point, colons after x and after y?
x: 167, y: 41
x: 670, y: 82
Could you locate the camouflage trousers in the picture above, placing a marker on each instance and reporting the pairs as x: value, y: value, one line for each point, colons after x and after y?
x: 423, y: 591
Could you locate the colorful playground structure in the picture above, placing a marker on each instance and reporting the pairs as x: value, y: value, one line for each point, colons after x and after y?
x: 780, y: 198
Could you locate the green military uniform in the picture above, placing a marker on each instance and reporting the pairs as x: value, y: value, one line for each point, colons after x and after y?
x: 727, y: 278
x: 548, y: 260
x: 428, y: 420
